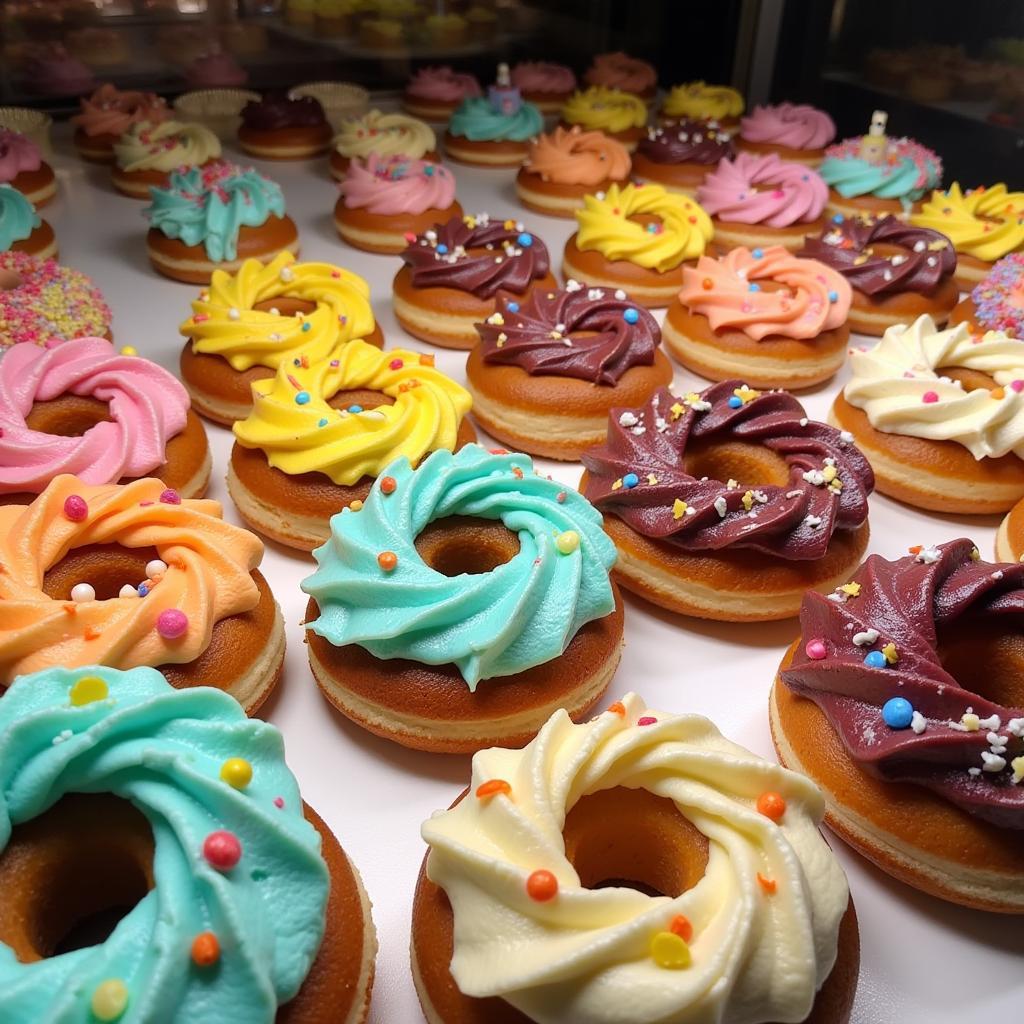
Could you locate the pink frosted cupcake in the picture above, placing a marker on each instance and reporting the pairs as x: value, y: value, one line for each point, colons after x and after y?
x: 758, y: 201
x: 434, y: 93
x: 546, y: 86
x: 620, y: 71
x: 107, y: 114
x: 216, y: 71
x: 23, y: 168
x: 386, y: 202
x: 55, y: 72
x: 792, y: 131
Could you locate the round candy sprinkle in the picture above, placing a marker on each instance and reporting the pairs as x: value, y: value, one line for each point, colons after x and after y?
x: 170, y: 496
x: 1017, y: 385
x: 236, y: 772
x: 387, y: 560
x: 542, y: 886
x: 129, y: 350
x: 155, y: 567
x: 681, y: 926
x: 127, y: 591
x: 355, y: 408
x: 171, y: 623
x: 815, y: 650
x: 83, y: 592
x: 735, y: 402
x: 205, y: 949
x: 630, y: 480
x: 757, y: 253
x: 707, y: 284
x: 567, y: 541
x: 75, y: 508
x: 395, y: 364
x: 833, y: 296
x: 753, y: 287
x: 929, y: 397
x: 142, y: 591
x: 302, y: 398
x: 88, y: 690
x: 897, y: 713
x: 631, y: 316
x: 388, y: 484
x: 442, y: 248
x: 838, y: 219
x: 109, y: 999
x: 493, y: 787
x: 512, y: 307
x: 670, y: 951
x: 222, y: 850
x: 875, y: 659
x: 279, y: 802
x: 771, y: 805
x: 525, y: 239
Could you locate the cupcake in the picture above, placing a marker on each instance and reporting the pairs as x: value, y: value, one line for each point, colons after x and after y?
x: 21, y: 228
x: 23, y: 168
x: 107, y: 114
x: 277, y: 128
x: 385, y: 135
x: 146, y: 154
x: 619, y: 114
x: 996, y: 303
x: 215, y: 71
x: 792, y: 131
x: 620, y: 71
x: 702, y: 102
x: 445, y: 31
x: 547, y: 86
x: 433, y: 93
x: 55, y: 72
x: 681, y: 155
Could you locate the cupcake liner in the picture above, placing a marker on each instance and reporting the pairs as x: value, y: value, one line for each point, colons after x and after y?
x: 217, y: 109
x: 340, y: 100
x: 33, y: 123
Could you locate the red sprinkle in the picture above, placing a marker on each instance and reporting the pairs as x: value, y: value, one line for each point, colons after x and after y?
x: 388, y: 484
x: 929, y: 397
x: 279, y: 802
x: 771, y: 805
x: 680, y: 925
x: 542, y: 886
x: 170, y: 496
x: 205, y: 949
x: 395, y: 364
x: 75, y: 508
x: 560, y: 497
x: 646, y: 720
x: 222, y: 850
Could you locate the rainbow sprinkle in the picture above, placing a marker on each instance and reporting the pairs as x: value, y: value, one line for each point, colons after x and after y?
x: 999, y: 298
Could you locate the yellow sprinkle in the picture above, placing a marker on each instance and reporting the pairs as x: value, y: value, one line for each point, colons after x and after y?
x: 679, y: 508
x: 851, y: 589
x: 496, y: 318
x: 677, y: 410
x: 732, y: 484
x: 88, y: 690
x: 509, y: 225
x: 129, y: 350
x: 617, y: 484
x: 971, y: 722
x: 670, y: 951
x: 835, y: 486
x: 469, y: 221
x: 355, y: 505
x: 937, y: 246
x: 891, y: 654
x: 745, y: 394
x: 829, y: 473
x: 748, y: 500
x: 975, y: 554
x: 236, y: 772
x: 109, y: 999
x: 652, y: 479
x: 1017, y: 767
x: 567, y: 542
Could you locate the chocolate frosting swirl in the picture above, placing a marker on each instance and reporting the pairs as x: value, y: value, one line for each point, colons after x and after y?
x: 274, y: 112
x: 959, y: 744
x: 688, y: 142
x: 478, y: 255
x: 845, y: 245
x: 538, y: 335
x: 640, y: 474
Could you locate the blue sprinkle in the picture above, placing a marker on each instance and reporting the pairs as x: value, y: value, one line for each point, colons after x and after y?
x: 525, y: 239
x: 875, y: 659
x: 833, y: 296
x: 512, y: 307
x: 757, y: 253
x: 322, y: 423
x: 838, y: 219
x: 429, y: 170
x: 897, y: 713
x: 753, y: 287
x: 631, y: 316
x: 735, y: 402
x: 302, y: 398
x: 306, y: 326
x: 142, y: 589
x: 355, y: 408
x: 630, y: 480
x: 805, y: 177
x: 442, y: 248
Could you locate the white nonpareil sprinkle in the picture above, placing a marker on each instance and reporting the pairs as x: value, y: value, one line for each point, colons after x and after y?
x: 974, y: 771
x: 127, y: 591
x: 804, y: 421
x: 928, y: 555
x: 815, y: 477
x: 1015, y: 727
x: 992, y: 762
x: 573, y: 286
x: 918, y: 722
x: 619, y: 294
x: 992, y: 722
x: 628, y: 419
x: 233, y: 314
x: 62, y: 736
x: 812, y: 521
x: 845, y: 437
x: 594, y: 294
x: 720, y: 506
x: 865, y: 638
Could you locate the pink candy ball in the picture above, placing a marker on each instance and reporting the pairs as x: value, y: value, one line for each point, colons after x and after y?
x: 815, y: 650
x: 222, y: 850
x: 170, y: 496
x: 75, y: 508
x: 171, y: 623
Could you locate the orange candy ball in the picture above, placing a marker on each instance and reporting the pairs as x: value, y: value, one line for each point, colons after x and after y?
x: 771, y: 805
x: 542, y: 886
x: 387, y: 560
x: 205, y: 949
x: 492, y: 788
x: 681, y: 926
x: 388, y: 484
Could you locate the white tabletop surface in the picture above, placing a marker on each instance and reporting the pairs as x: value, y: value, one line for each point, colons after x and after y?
x: 923, y: 961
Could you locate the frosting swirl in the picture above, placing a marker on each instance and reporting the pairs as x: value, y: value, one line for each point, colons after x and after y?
x: 986, y: 223
x: 925, y: 261
x: 520, y: 614
x: 18, y: 217
x: 146, y: 404
x: 225, y: 322
x: 815, y: 297
x: 620, y: 71
x: 397, y: 184
x: 460, y: 254
x: 904, y: 605
x: 794, y: 125
x: 386, y: 135
x: 476, y: 118
x: 999, y: 297
x: 109, y: 111
x: 538, y: 335
x: 18, y: 153
x: 210, y: 205
x: 605, y: 226
x: 540, y: 76
x: 207, y: 577
x: 574, y: 157
x: 586, y: 955
x: 272, y: 113
x: 753, y: 189
x: 348, y: 444
x: 702, y: 101
x: 906, y: 173
x: 898, y: 385
x: 827, y: 490
x: 688, y: 142
x: 602, y: 109
x: 162, y: 749
x: 165, y: 146
x: 442, y: 85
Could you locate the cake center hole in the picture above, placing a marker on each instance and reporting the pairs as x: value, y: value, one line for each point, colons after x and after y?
x: 10, y: 280
x: 285, y: 305
x: 72, y: 874
x: 68, y: 415
x: 972, y: 380
x: 632, y: 839
x: 648, y: 221
x: 459, y: 545
x: 105, y: 567
x: 361, y: 397
x: 986, y: 656
x: 750, y: 465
